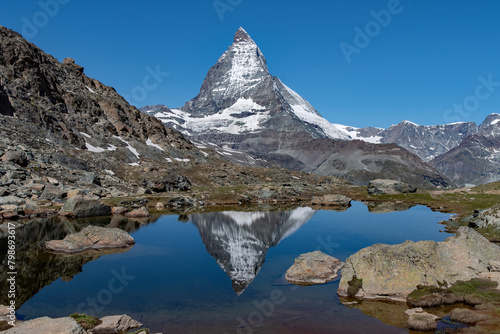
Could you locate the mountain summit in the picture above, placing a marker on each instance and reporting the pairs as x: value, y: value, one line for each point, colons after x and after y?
x: 241, y: 106
x: 239, y: 95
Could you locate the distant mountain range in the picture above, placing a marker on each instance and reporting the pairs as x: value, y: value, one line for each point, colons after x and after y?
x: 243, y: 107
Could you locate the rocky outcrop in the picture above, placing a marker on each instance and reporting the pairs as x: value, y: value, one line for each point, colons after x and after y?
x: 17, y: 157
x: 331, y: 200
x: 394, y: 271
x: 106, y: 325
x: 48, y: 325
x: 91, y: 237
x: 115, y: 325
x: 476, y: 160
x: 313, y: 268
x: 138, y: 213
x: 84, y: 206
x: 63, y: 124
x: 389, y: 187
x: 486, y: 218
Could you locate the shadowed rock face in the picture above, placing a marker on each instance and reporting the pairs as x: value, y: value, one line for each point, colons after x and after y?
x: 239, y: 241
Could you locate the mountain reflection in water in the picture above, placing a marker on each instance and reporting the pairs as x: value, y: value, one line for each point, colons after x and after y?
x: 239, y: 241
x: 37, y: 267
x: 175, y: 285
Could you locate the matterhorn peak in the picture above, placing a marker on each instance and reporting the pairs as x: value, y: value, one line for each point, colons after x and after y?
x: 242, y: 36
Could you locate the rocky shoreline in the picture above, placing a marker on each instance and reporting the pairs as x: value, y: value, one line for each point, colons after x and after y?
x: 75, y: 324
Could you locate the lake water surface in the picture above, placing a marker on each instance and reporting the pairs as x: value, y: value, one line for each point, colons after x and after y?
x: 222, y: 272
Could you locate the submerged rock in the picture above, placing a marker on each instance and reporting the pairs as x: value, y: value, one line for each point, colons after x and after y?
x: 91, y: 237
x: 393, y: 271
x: 313, y: 268
x: 389, y: 187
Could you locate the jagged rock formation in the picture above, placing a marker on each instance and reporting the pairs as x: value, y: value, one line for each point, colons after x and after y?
x: 69, y: 125
x: 464, y: 152
x: 243, y: 107
x: 425, y: 141
x: 239, y: 240
x: 477, y: 159
x: 394, y: 271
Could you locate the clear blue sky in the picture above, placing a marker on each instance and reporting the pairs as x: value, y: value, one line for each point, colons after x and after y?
x: 416, y: 67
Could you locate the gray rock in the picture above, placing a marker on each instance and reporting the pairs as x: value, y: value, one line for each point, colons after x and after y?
x: 313, y: 268
x: 84, y: 206
x: 181, y: 202
x: 487, y: 218
x: 389, y: 187
x: 16, y: 175
x: 17, y: 157
x: 47, y: 325
x: 90, y: 178
x: 11, y: 200
x: 118, y: 210
x: 140, y: 212
x: 91, y: 237
x: 52, y: 192
x: 393, y: 271
x: 116, y: 324
x: 331, y: 200
x: 30, y: 206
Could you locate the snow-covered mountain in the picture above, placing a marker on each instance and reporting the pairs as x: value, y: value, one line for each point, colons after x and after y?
x: 240, y: 96
x: 239, y: 241
x: 241, y: 106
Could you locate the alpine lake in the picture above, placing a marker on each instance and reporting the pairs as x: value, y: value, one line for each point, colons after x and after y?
x: 217, y: 272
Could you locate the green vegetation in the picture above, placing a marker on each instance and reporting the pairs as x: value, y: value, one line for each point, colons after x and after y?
x: 354, y: 286
x: 424, y: 290
x: 475, y: 292
x: 85, y: 320
x: 482, y: 288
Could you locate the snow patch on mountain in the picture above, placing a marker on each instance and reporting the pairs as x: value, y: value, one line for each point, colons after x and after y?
x: 244, y: 116
x: 244, y: 218
x: 149, y: 142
